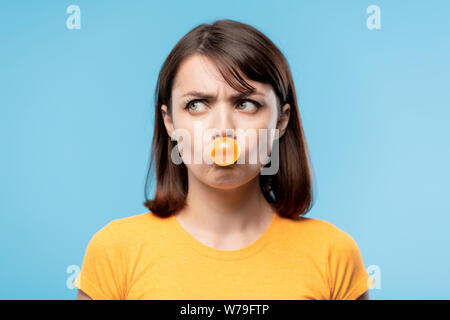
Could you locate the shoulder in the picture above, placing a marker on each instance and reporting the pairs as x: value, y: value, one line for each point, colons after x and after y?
x: 325, y: 240
x: 122, y: 231
x: 314, y: 226
x: 339, y: 246
x: 316, y: 232
x: 137, y: 221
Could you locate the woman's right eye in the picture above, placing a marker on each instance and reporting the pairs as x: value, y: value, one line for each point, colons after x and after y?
x: 192, y: 104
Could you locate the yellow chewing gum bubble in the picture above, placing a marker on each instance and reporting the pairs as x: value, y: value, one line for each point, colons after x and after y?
x: 225, y: 151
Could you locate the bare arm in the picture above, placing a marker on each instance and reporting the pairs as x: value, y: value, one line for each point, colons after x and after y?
x: 364, y: 296
x: 82, y: 296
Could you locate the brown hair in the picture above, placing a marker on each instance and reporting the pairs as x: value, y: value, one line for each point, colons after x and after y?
x: 234, y: 47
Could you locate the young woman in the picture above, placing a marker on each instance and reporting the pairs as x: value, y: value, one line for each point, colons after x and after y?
x: 225, y: 231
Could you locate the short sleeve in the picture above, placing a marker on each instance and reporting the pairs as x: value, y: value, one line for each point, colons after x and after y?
x: 347, y: 275
x: 102, y: 275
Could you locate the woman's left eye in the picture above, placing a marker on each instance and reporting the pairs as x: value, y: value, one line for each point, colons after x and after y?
x: 251, y: 103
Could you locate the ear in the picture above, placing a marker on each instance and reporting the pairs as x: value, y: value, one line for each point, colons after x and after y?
x: 168, y: 122
x: 284, y: 119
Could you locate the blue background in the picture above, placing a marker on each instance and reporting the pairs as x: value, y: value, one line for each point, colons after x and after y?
x: 76, y: 125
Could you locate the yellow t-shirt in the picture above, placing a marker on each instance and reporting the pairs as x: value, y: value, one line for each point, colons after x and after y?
x: 148, y: 257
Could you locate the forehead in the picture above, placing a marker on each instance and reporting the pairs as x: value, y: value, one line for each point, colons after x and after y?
x: 198, y: 72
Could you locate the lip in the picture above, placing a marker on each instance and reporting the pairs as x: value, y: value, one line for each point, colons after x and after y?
x: 225, y: 167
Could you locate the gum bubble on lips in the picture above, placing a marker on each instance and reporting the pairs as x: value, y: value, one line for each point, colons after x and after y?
x: 225, y: 151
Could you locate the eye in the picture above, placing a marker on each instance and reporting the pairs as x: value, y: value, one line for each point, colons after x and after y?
x: 249, y: 105
x: 193, y: 104
x: 253, y: 105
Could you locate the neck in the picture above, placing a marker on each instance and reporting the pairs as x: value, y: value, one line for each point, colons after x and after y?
x: 226, y: 211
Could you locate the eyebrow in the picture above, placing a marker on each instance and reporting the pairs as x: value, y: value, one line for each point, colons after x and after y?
x: 211, y: 97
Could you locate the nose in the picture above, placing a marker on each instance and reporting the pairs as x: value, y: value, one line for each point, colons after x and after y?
x: 224, y: 133
x: 224, y: 123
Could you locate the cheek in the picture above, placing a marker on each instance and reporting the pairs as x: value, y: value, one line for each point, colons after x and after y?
x: 196, y: 146
x: 256, y: 145
x: 265, y: 118
x: 257, y: 137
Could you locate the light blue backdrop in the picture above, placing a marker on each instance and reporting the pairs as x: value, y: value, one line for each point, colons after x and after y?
x: 76, y: 124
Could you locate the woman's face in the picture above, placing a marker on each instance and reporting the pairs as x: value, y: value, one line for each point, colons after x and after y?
x: 199, y: 120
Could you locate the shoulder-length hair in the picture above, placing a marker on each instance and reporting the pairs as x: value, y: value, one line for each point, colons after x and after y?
x: 234, y: 47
